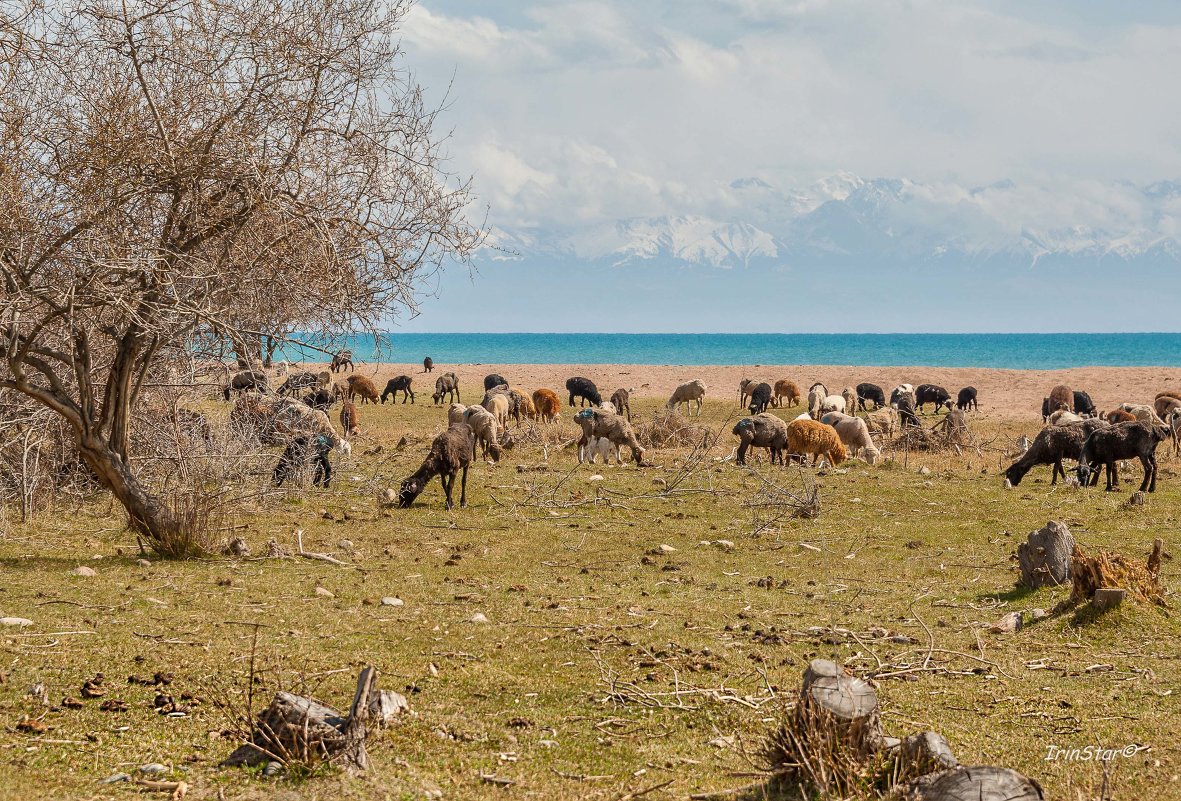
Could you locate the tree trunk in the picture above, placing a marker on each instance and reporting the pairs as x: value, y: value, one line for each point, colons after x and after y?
x: 840, y: 706
x: 1045, y: 557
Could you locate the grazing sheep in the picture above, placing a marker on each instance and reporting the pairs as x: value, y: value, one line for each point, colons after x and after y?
x: 298, y: 381
x: 1083, y: 404
x: 899, y: 391
x: 867, y: 392
x: 342, y: 360
x: 597, y: 423
x: 1051, y: 446
x: 497, y: 403
x: 1175, y: 427
x: 455, y: 413
x: 494, y: 380
x: 1064, y: 418
x: 446, y: 384
x: 1120, y: 416
x: 818, y: 387
x: 585, y: 389
x: 1165, y: 405
x: 1061, y: 397
x: 882, y: 421
x: 806, y: 437
x: 349, y: 420
x: 786, y: 394
x: 428, y: 365
x: 247, y: 381
x: 816, y: 397
x: 277, y: 420
x: 547, y: 404
x: 854, y: 433
x: 1142, y: 412
x: 519, y: 406
x: 320, y: 399
x: 930, y: 393
x: 760, y: 398
x: 363, y: 387
x: 396, y: 385
x: 451, y: 453
x: 621, y: 400
x: 1108, y: 445
x: 296, y: 454
x: 744, y: 388
x: 486, y: 430
x: 850, y: 396
x: 905, y: 407
x: 608, y: 406
x: 761, y: 431
x: 966, y: 399
x: 833, y: 403
x: 687, y: 393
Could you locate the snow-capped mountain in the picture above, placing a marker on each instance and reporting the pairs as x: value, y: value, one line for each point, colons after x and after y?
x: 845, y: 218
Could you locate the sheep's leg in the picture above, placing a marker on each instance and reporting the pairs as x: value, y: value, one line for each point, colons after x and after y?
x: 742, y: 446
x: 1149, y: 482
x: 463, y: 489
x: 1112, y: 476
x: 446, y: 480
x: 1058, y: 468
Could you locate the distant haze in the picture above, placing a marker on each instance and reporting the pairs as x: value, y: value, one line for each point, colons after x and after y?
x: 758, y: 165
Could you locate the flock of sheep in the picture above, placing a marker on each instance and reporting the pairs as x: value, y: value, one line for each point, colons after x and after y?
x: 832, y: 427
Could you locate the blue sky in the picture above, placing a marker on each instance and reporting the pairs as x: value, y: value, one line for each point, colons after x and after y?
x: 571, y: 115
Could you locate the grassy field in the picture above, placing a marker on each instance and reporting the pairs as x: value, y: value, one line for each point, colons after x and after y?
x: 609, y: 664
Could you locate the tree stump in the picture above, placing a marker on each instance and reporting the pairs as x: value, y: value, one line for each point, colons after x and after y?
x: 926, y: 752
x: 1108, y: 598
x: 973, y: 784
x: 1045, y: 556
x: 294, y: 729
x: 836, y: 704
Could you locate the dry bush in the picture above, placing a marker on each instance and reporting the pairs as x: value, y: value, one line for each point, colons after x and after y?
x: 1141, y: 580
x: 668, y: 429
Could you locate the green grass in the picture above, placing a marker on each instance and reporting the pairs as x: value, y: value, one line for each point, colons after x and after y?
x: 589, y: 632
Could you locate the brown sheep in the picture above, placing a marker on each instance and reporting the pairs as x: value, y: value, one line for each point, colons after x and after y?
x: 547, y: 404
x: 786, y: 394
x: 364, y: 387
x: 621, y: 400
x: 811, y: 437
x: 450, y: 454
x: 598, y: 423
x: 1061, y: 397
x: 520, y: 406
x: 1165, y: 404
x: 1120, y: 416
x: 497, y: 403
x: 348, y: 418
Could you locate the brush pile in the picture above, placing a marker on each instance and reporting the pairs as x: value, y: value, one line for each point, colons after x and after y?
x: 668, y: 429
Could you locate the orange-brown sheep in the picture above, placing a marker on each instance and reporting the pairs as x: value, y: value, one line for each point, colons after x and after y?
x: 547, y: 404
x: 360, y: 385
x: 806, y: 437
x: 786, y: 393
x: 348, y: 418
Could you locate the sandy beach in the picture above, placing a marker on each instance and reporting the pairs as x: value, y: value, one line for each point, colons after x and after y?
x: 1003, y: 394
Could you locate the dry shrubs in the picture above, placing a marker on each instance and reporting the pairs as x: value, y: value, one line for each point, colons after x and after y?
x: 1142, y: 581
x: 668, y: 429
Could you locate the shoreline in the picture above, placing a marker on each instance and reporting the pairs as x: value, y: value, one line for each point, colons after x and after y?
x: 1008, y: 393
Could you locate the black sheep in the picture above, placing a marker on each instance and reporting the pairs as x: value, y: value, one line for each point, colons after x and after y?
x: 494, y: 380
x: 247, y: 380
x: 760, y: 398
x: 930, y: 393
x: 870, y: 392
x: 451, y: 453
x: 1051, y: 446
x: 296, y: 454
x: 585, y: 389
x: 428, y: 364
x: 396, y: 385
x: 966, y: 399
x: 906, y: 416
x: 1082, y: 404
x: 761, y: 431
x: 320, y: 399
x: 1108, y: 445
x: 297, y: 381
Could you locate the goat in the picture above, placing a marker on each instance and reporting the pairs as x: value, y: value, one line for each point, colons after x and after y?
x: 446, y: 384
x: 428, y: 365
x: 364, y: 387
x: 349, y: 418
x: 867, y: 392
x: 621, y: 400
x: 966, y: 399
x: 547, y: 404
x: 247, y: 381
x: 786, y: 394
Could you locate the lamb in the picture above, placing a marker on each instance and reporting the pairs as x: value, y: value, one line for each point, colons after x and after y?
x: 786, y: 393
x: 497, y: 404
x: 1120, y: 416
x: 1124, y: 441
x: 485, y: 429
x: 364, y: 387
x: 342, y: 360
x: 883, y: 421
x: 1061, y: 397
x: 760, y: 398
x: 833, y: 403
x: 854, y: 433
x: 1083, y: 404
x: 451, y: 453
x: 930, y: 393
x: 687, y: 393
x: 867, y: 392
x: 428, y: 365
x: 547, y: 404
x: 1142, y: 412
x: 298, y: 381
x: 320, y: 399
x: 455, y: 413
x: 899, y: 391
x: 1051, y: 446
x: 761, y: 431
x: 598, y: 447
x: 349, y: 419
x: 621, y: 400
x: 812, y: 437
x: 396, y: 385
x: 446, y: 384
x: 596, y: 423
x: 966, y: 399
x: 1064, y: 418
x: 494, y: 380
x: 585, y: 389
x: 850, y: 396
x: 247, y: 381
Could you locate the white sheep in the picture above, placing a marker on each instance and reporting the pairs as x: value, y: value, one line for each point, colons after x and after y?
x: 497, y: 404
x: 816, y: 397
x: 486, y: 429
x: 686, y: 393
x: 455, y: 413
x: 1142, y: 412
x: 854, y: 433
x: 1065, y: 418
x: 833, y: 403
x: 596, y: 447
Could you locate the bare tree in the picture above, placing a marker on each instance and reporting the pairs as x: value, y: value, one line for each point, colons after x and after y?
x: 173, y: 171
